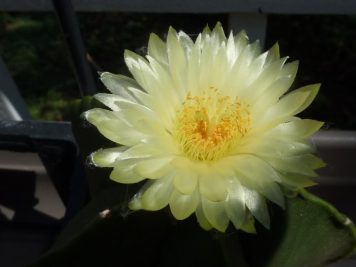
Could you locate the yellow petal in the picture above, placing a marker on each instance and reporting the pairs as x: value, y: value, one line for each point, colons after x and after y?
x: 182, y: 206
x: 177, y: 62
x: 153, y: 168
x: 249, y: 225
x: 275, y: 90
x: 301, y: 164
x: 150, y: 75
x: 235, y: 203
x: 186, y: 182
x: 298, y: 129
x: 238, y: 79
x: 269, y: 74
x: 213, y: 187
x: 164, y: 86
x: 241, y: 41
x: 124, y: 86
x: 111, y: 101
x: 281, y: 112
x: 157, y: 195
x: 113, y: 128
x: 256, y: 174
x: 218, y: 33
x: 202, y: 220
x: 235, y: 45
x: 142, y: 150
x: 273, y: 53
x: 107, y: 157
x: 123, y: 172
x: 157, y: 49
x: 215, y: 214
x: 275, y: 146
x: 313, y: 90
x: 297, y: 181
x: 257, y: 206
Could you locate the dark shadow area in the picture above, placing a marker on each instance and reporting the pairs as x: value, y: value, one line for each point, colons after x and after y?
x: 325, y: 47
x: 29, y: 232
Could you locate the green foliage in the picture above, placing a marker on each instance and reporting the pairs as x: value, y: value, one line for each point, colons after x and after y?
x: 33, y: 50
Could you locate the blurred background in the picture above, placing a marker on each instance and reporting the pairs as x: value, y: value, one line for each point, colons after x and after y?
x: 33, y: 48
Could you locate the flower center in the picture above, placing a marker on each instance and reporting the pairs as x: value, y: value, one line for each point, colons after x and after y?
x: 208, y: 126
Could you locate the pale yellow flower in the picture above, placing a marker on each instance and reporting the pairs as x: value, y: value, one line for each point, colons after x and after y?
x: 210, y: 125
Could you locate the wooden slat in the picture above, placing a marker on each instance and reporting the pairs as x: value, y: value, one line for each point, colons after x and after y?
x: 193, y: 6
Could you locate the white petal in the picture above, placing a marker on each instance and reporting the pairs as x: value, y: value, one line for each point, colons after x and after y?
x: 241, y: 41
x: 136, y: 201
x: 235, y: 203
x: 135, y: 114
x: 238, y: 80
x: 124, y: 86
x: 296, y: 181
x: 186, y: 42
x: 157, y: 195
x: 257, y: 174
x: 215, y: 213
x: 301, y: 164
x: 272, y: 94
x: 110, y: 100
x: 142, y: 150
x: 182, y: 206
x: 177, y: 62
x: 257, y: 206
x: 249, y: 225
x: 123, y: 172
x: 273, y: 54
x: 272, y: 145
x: 107, y: 157
x: 157, y: 49
x: 153, y: 78
x: 298, y: 129
x: 163, y: 84
x: 267, y: 77
x: 96, y: 115
x: 288, y: 106
x: 218, y: 33
x: 186, y: 182
x: 202, y: 220
x: 256, y: 67
x: 313, y: 90
x: 193, y: 68
x: 153, y: 168
x: 113, y: 128
x: 138, y: 67
x: 213, y: 187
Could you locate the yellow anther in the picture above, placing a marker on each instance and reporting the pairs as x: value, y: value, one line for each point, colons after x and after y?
x: 208, y: 126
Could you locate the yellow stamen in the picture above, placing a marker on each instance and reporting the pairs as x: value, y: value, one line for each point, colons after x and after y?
x: 208, y: 126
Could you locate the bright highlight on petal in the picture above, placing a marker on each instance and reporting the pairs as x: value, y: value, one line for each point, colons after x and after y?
x: 209, y: 125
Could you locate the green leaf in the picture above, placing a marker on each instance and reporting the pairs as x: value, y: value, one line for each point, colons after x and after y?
x: 310, y: 232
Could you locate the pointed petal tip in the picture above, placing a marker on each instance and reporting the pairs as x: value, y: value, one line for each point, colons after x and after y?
x: 84, y: 115
x: 135, y: 203
x: 104, y: 74
x: 172, y: 31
